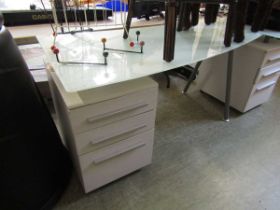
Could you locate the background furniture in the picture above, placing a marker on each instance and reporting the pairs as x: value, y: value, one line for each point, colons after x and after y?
x: 272, y: 21
x: 170, y: 23
x: 261, y: 17
x: 28, y: 17
x: 34, y: 165
x: 147, y: 8
x: 139, y: 9
x: 109, y: 130
x: 256, y: 69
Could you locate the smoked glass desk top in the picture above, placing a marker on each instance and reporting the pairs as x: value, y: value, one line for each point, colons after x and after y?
x: 197, y: 44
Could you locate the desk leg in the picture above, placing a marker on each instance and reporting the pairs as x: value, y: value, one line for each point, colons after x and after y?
x: 190, y: 80
x: 167, y: 79
x: 228, y: 85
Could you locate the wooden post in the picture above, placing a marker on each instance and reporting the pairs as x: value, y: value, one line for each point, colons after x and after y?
x: 169, y: 30
x: 262, y: 14
x: 211, y: 12
x: 267, y: 13
x: 230, y: 23
x: 241, y: 11
x: 188, y: 15
x: 188, y: 12
x: 208, y: 14
x: 195, y: 13
x: 182, y: 14
x: 215, y: 13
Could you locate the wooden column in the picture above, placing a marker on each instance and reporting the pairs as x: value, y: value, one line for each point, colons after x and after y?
x: 188, y: 15
x: 267, y: 13
x: 195, y: 13
x: 262, y: 14
x: 230, y: 23
x: 182, y: 16
x: 169, y: 30
x: 241, y: 13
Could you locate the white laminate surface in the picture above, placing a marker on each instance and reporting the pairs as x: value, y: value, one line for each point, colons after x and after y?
x: 199, y: 43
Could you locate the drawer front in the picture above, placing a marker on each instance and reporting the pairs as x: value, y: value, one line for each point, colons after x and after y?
x: 102, y: 167
x: 100, y: 114
x: 114, y: 132
x: 260, y: 94
x: 272, y: 58
x: 269, y: 73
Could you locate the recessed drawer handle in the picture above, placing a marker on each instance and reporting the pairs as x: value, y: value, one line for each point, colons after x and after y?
x: 101, y: 159
x: 116, y: 112
x: 274, y: 59
x: 271, y: 72
x: 118, y: 134
x: 265, y: 86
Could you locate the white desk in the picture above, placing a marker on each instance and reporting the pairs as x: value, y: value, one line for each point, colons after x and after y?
x: 100, y: 107
x: 192, y: 46
x: 197, y: 44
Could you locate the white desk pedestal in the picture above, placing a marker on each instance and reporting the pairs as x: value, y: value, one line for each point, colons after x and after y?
x: 256, y: 69
x: 109, y: 130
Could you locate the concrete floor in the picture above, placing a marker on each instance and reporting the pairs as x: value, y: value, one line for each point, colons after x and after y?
x: 199, y: 161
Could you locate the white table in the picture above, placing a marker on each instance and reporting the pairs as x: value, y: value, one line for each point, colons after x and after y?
x: 200, y: 43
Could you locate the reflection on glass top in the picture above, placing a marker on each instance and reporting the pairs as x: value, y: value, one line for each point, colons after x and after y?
x: 199, y: 43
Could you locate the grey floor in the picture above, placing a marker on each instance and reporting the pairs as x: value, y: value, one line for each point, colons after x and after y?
x: 199, y: 161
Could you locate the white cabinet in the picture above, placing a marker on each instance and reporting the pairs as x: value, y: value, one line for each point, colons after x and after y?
x: 108, y: 130
x: 256, y: 69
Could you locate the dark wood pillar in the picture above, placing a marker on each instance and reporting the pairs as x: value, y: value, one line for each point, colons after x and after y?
x: 262, y: 14
x: 169, y: 30
x: 241, y: 13
x: 230, y: 23
x: 267, y: 13
x: 182, y: 16
x: 195, y: 13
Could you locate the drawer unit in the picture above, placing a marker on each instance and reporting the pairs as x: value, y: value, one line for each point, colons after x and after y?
x: 272, y: 57
x: 109, y: 111
x: 108, y: 130
x: 106, y: 165
x: 268, y: 73
x: 256, y: 69
x: 114, y: 132
x: 261, y: 93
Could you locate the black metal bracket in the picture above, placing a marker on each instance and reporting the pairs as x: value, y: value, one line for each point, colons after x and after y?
x: 105, y: 54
